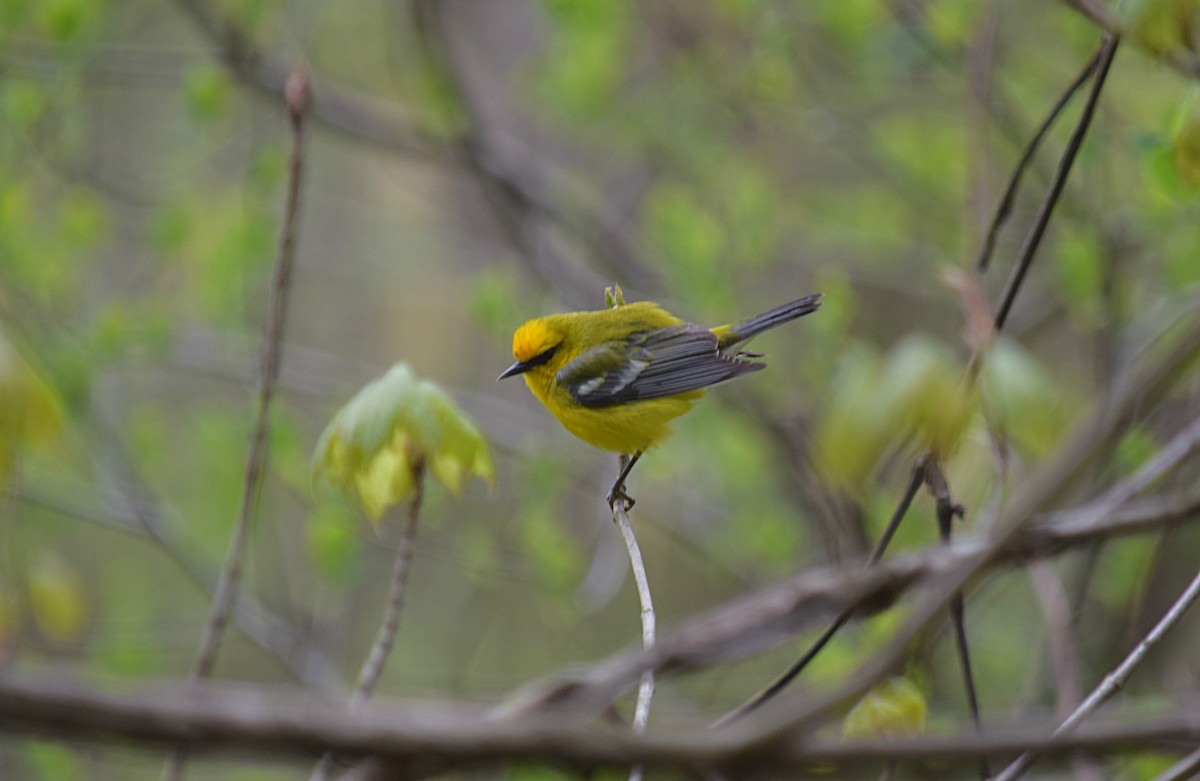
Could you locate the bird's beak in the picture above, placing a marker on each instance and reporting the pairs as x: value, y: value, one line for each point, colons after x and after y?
x: 520, y: 367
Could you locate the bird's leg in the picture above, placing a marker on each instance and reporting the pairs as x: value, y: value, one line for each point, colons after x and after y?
x: 618, y: 489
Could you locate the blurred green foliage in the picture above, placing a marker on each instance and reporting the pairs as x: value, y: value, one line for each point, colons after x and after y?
x: 720, y: 157
x: 893, y: 708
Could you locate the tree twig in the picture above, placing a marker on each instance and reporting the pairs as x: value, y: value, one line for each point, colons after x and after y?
x: 1032, y: 242
x: 1004, y: 208
x: 1113, y: 682
x: 225, y: 593
x: 1133, y: 391
x: 641, y: 713
x: 947, y: 510
x: 1034, y: 238
x: 778, y: 685
x: 139, y: 516
x: 385, y: 638
x: 1182, y: 770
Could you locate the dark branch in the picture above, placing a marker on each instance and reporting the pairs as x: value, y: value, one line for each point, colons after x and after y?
x: 1034, y: 239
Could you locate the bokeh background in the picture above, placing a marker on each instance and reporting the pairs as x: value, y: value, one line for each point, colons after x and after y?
x: 473, y: 164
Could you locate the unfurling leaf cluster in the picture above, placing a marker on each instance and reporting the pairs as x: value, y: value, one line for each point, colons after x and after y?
x: 375, y: 447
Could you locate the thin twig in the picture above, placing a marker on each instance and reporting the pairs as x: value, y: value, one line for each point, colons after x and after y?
x: 780, y: 683
x: 1056, y: 613
x: 1135, y: 391
x: 1104, y: 59
x: 641, y: 713
x: 1113, y: 682
x: 1004, y: 208
x: 385, y: 638
x: 947, y: 510
x: 296, y: 98
x: 1034, y: 239
x: 1184, y: 769
x: 372, y: 668
x: 131, y: 511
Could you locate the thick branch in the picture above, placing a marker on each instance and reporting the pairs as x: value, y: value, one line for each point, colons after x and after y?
x: 444, y: 735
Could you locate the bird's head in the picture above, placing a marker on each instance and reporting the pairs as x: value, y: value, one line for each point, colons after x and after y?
x: 535, y: 344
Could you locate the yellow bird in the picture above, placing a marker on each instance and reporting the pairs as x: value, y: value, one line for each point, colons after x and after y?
x: 616, y: 378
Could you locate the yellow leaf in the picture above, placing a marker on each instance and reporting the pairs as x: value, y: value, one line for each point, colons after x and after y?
x: 1163, y: 26
x: 56, y: 599
x: 893, y: 708
x: 1185, y: 146
x: 30, y: 408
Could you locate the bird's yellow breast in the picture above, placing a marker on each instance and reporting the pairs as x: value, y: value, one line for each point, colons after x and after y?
x: 627, y: 428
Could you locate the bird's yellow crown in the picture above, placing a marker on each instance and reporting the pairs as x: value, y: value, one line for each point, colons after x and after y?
x: 534, y: 338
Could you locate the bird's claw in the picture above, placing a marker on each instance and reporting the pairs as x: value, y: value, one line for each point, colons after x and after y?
x: 618, y: 492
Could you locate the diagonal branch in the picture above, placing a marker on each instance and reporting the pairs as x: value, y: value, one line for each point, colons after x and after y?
x: 1113, y: 682
x: 1004, y: 208
x: 1034, y: 239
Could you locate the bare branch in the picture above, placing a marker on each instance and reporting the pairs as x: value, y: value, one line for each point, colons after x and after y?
x: 225, y: 593
x: 385, y: 638
x: 444, y: 735
x: 227, y: 585
x: 1113, y: 682
x: 336, y: 107
x: 1004, y: 208
x: 1034, y: 239
x: 138, y: 516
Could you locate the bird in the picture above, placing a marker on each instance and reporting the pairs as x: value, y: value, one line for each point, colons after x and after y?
x: 617, y: 377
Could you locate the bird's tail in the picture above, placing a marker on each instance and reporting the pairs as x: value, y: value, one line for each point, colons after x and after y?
x: 737, y: 333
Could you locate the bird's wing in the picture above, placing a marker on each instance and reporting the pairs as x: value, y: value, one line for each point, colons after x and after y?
x: 649, y: 365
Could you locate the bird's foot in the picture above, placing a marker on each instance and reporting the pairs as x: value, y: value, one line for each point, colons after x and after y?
x: 618, y: 494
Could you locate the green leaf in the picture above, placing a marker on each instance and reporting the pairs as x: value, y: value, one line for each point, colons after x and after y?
x: 850, y: 21
x: 1163, y: 26
x: 170, y: 228
x: 548, y: 545
x: 68, y: 20
x: 331, y: 543
x: 588, y: 47
x: 82, y: 220
x: 953, y: 22
x: 1080, y: 265
x: 927, y: 390
x: 1020, y: 398
x: 372, y: 446
x: 893, y: 708
x: 24, y: 103
x: 854, y: 425
x: 53, y: 760
x: 1134, y: 449
x: 207, y: 89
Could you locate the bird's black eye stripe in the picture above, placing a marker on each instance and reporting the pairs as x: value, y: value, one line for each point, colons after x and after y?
x: 542, y: 357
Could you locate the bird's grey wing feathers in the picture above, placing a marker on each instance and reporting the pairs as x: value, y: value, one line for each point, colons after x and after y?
x: 650, y: 365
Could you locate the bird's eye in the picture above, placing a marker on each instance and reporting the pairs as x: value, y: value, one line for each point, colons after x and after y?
x: 542, y: 357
